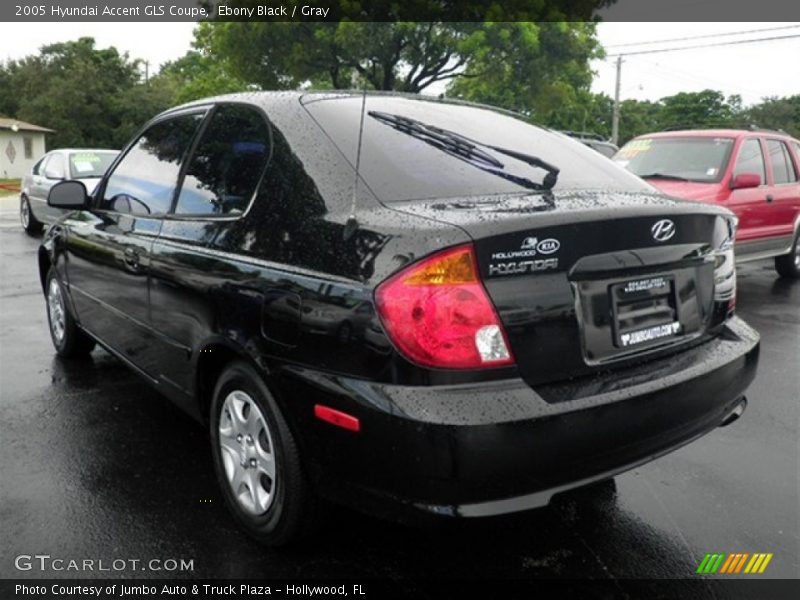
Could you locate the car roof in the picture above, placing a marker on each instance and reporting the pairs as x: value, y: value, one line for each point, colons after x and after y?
x: 266, y: 98
x: 74, y: 150
x: 731, y: 133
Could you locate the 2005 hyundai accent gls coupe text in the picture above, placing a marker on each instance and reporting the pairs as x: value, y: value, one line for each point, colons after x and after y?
x: 419, y: 308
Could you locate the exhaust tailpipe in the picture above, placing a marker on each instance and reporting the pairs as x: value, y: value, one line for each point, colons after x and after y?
x: 737, y: 412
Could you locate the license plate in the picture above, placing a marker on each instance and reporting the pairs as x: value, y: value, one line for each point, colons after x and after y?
x: 644, y: 311
x: 632, y: 338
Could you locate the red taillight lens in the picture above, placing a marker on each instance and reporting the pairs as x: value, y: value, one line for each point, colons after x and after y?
x: 438, y: 314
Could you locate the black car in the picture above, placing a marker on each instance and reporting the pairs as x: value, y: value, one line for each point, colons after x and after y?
x: 416, y: 307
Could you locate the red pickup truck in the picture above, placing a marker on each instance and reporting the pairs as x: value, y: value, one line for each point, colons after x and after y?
x: 754, y: 173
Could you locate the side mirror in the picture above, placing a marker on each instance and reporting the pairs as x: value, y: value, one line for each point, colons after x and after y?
x: 745, y: 180
x: 53, y: 174
x: 68, y: 194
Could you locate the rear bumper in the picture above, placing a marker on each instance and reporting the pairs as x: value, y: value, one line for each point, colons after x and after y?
x: 498, y: 447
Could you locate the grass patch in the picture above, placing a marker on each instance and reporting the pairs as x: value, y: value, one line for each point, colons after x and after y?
x: 9, y: 187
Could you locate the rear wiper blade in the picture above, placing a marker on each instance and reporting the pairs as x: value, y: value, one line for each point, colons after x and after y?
x: 465, y: 147
x: 663, y: 176
x: 446, y: 140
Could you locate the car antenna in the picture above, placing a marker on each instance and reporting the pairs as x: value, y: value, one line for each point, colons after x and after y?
x: 352, y: 223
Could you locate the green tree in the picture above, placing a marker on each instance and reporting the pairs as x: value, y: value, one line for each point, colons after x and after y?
x: 8, y: 103
x: 89, y: 96
x: 692, y: 110
x: 776, y: 113
x: 637, y: 117
x: 405, y: 56
x: 539, y: 69
x: 196, y: 75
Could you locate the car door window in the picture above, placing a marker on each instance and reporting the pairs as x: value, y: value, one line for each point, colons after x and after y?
x: 751, y: 159
x: 227, y: 165
x: 790, y: 164
x: 144, y: 181
x: 782, y: 168
x: 54, y: 169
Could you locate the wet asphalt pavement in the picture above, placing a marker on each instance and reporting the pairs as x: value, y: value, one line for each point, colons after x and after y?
x: 95, y: 464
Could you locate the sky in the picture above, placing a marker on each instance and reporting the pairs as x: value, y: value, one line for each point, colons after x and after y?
x: 753, y: 71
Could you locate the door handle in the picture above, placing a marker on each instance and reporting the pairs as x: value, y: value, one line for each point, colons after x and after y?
x: 770, y: 198
x: 131, y: 257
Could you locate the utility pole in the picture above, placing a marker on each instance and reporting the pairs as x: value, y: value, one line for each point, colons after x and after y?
x: 615, y: 116
x: 147, y: 72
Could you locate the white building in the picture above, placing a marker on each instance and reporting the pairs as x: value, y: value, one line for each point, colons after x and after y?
x: 21, y: 145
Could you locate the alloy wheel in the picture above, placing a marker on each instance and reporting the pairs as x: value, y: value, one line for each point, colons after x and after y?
x: 56, y: 310
x: 248, y: 454
x: 25, y: 213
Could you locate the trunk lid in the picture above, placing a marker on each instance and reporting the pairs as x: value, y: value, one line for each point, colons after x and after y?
x: 591, y: 281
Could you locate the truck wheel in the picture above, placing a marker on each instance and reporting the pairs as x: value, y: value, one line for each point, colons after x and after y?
x: 788, y: 265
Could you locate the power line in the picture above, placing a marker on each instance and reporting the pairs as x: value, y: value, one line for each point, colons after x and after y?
x: 689, y: 77
x: 700, y: 37
x: 733, y: 43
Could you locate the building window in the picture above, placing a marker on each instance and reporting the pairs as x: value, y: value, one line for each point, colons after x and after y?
x: 28, y: 142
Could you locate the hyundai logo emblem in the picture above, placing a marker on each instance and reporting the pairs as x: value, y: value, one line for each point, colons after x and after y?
x: 663, y: 230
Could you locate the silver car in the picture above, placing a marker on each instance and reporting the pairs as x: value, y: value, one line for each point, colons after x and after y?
x: 87, y: 165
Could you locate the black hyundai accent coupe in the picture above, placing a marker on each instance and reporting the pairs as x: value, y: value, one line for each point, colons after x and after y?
x: 415, y: 307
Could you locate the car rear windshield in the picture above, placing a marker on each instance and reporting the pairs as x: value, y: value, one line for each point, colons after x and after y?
x: 701, y: 159
x: 84, y: 165
x: 399, y: 166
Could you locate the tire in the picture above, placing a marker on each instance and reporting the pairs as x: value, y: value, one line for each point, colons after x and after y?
x: 68, y: 339
x: 257, y: 460
x: 30, y: 224
x: 788, y: 265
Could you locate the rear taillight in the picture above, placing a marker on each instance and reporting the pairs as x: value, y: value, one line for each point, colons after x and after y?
x: 725, y: 267
x: 438, y: 313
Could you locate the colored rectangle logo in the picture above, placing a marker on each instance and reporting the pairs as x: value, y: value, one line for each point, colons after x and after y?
x: 734, y: 563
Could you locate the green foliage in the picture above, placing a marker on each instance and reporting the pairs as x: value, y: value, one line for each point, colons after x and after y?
x: 689, y: 110
x: 545, y: 61
x: 776, y: 113
x: 91, y: 97
x: 195, y: 76
x: 637, y: 117
x: 539, y: 69
x: 692, y: 110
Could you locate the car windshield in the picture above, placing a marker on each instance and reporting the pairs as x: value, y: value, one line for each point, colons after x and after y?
x: 701, y: 159
x: 89, y: 164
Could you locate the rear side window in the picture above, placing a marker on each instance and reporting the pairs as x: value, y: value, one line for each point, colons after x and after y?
x: 226, y: 167
x: 751, y: 159
x: 782, y: 167
x: 37, y: 168
x: 144, y: 181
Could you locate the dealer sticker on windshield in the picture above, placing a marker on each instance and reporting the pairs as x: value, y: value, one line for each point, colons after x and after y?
x: 649, y: 334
